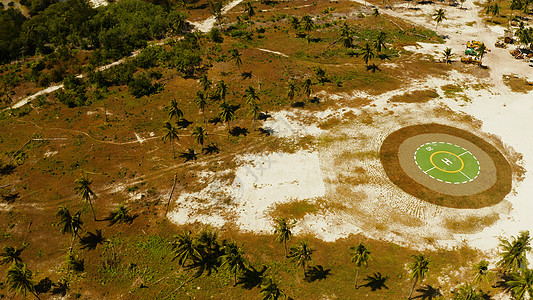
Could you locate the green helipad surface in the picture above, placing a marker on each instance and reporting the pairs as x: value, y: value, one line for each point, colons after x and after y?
x: 447, y: 162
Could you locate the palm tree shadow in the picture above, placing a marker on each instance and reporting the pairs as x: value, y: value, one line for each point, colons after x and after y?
x: 251, y: 277
x: 183, y: 123
x: 10, y: 198
x: 373, y: 68
x: 246, y: 75
x: 211, y: 149
x: 238, y: 131
x: 6, y: 169
x: 376, y: 282
x: 427, y: 292
x: 298, y: 104
x: 90, y: 240
x: 316, y: 273
x: 189, y: 155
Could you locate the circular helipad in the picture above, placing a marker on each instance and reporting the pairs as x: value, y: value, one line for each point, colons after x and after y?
x: 447, y: 162
x: 446, y: 166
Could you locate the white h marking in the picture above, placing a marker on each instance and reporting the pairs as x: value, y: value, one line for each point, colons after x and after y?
x: 447, y: 161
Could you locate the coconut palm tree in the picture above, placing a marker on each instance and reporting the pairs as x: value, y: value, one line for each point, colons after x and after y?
x: 233, y: 259
x: 308, y: 25
x: 249, y: 9
x: 368, y: 53
x: 227, y: 113
x: 360, y: 257
x: 447, y: 54
x: 467, y: 292
x: 222, y: 90
x: 480, y: 53
x: 19, y: 280
x: 171, y: 133
x: 251, y: 95
x: 83, y: 188
x: 481, y: 270
x: 380, y: 42
x: 521, y: 283
x: 306, y: 88
x: 439, y: 16
x: 75, y: 263
x: 291, y: 90
x: 174, y: 110
x: 346, y: 36
x: 419, y: 269
x: 236, y: 57
x: 282, y: 230
x: 301, y: 254
x: 270, y: 290
x: 201, y: 102
x: 254, y: 110
x: 199, y: 134
x: 69, y: 223
x: 121, y: 214
x: 10, y: 255
x: 513, y: 254
x: 185, y: 248
x: 205, y: 83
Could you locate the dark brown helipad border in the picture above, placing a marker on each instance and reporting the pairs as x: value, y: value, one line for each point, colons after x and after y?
x: 491, y: 196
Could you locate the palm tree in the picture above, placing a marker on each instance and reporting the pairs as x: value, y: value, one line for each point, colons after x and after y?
x: 301, y: 254
x: 69, y: 224
x: 419, y: 269
x: 380, y: 41
x: 270, y: 290
x: 308, y: 25
x: 513, y: 255
x: 282, y: 229
x: 83, y: 188
x: 222, y: 89
x: 205, y: 83
x: 120, y: 214
x: 185, y: 248
x: 174, y: 110
x: 19, y: 280
x: 481, y: 52
x: 291, y: 90
x: 346, y: 36
x: 227, y: 113
x: 307, y: 87
x: 249, y: 10
x: 201, y: 102
x: 447, y: 54
x: 467, y: 292
x: 481, y: 271
x: 236, y: 57
x: 439, y: 16
x: 233, y: 259
x: 254, y: 110
x: 10, y: 255
x: 360, y: 257
x: 521, y: 283
x: 367, y: 52
x: 199, y: 134
x: 251, y: 95
x: 171, y: 133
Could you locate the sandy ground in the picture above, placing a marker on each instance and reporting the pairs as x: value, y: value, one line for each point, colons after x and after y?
x: 375, y: 207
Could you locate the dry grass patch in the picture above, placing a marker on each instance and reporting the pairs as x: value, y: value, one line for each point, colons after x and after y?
x: 293, y: 210
x: 420, y: 96
x: 517, y: 84
x: 471, y: 224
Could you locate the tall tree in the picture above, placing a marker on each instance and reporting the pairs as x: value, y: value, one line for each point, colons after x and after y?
x: 307, y: 88
x: 368, y: 53
x: 301, y: 254
x: 68, y: 223
x: 380, y: 42
x: 83, y: 188
x: 467, y: 292
x: 419, y: 269
x: 308, y: 24
x: 251, y: 95
x: 249, y: 9
x: 222, y: 90
x: 236, y: 57
x: 521, y: 283
x: 346, y: 36
x: 254, y: 110
x: 174, y: 110
x: 233, y: 259
x: 283, y: 231
x: 447, y: 54
x: 360, y: 256
x: 291, y: 91
x: 270, y: 290
x: 227, y: 113
x: 205, y: 83
x: 199, y: 135
x: 201, y: 102
x: 513, y: 254
x: 10, y: 255
x: 185, y: 248
x: 171, y: 133
x: 19, y: 280
x: 439, y: 16
x: 481, y: 270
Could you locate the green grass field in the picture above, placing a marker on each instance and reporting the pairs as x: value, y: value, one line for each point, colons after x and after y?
x: 447, y: 162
